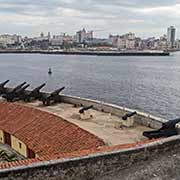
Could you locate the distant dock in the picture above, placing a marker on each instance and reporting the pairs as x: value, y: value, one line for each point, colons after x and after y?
x: 89, y: 53
x: 95, y: 53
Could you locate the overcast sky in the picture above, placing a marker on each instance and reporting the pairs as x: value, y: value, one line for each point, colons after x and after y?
x: 144, y: 17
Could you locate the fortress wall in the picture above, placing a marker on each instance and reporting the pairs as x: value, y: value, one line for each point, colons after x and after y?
x: 141, y: 118
x: 92, y: 166
x: 99, y: 164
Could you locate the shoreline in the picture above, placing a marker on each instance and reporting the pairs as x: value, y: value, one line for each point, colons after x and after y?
x: 95, y: 53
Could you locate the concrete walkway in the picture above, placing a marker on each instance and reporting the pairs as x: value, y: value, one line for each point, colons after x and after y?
x: 100, y: 124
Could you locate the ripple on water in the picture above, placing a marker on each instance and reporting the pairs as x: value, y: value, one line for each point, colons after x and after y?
x: 150, y: 84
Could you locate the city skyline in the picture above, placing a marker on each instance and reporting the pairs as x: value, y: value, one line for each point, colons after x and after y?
x: 117, y: 17
x: 85, y: 39
x: 48, y: 33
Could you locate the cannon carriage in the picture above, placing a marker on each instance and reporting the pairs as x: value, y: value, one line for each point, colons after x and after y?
x: 20, y: 93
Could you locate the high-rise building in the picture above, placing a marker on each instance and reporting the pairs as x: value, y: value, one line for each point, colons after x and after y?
x: 171, y: 35
x: 7, y: 39
x: 83, y: 35
x: 114, y: 39
x: 49, y: 35
x: 126, y: 41
x: 42, y: 35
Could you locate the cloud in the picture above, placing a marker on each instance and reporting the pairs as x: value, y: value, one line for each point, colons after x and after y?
x: 171, y: 10
x: 146, y: 18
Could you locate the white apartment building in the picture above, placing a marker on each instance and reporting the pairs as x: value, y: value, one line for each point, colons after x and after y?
x: 84, y: 35
x: 126, y: 41
x: 7, y: 39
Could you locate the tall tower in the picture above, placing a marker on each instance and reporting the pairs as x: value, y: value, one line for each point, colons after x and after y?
x: 42, y: 35
x: 49, y: 35
x: 171, y: 35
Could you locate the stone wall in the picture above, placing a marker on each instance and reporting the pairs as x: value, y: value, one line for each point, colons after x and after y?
x: 92, y: 166
x: 141, y: 118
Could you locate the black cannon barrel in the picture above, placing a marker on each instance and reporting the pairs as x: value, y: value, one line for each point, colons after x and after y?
x: 81, y: 111
x: 160, y: 133
x: 35, y: 93
x: 130, y: 114
x: 37, y: 89
x: 12, y: 90
x: 53, y: 97
x: 4, y: 83
x: 2, y: 88
x: 168, y: 129
x: 9, y: 95
x: 18, y: 87
x: 171, y: 123
x: 23, y: 88
x: 56, y: 92
x: 16, y: 95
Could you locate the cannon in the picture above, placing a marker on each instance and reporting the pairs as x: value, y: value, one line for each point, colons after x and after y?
x: 34, y: 94
x: 54, y: 96
x: 85, y: 114
x: 15, y: 95
x: 9, y: 94
x: 128, y: 115
x: 168, y: 129
x: 128, y: 120
x: 2, y: 88
x: 19, y: 93
x: 18, y: 87
x: 82, y: 110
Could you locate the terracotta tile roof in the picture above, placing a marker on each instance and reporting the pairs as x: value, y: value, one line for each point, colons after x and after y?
x: 44, y: 133
x: 50, y: 136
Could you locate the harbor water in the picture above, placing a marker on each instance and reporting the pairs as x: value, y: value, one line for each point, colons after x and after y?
x: 149, y: 84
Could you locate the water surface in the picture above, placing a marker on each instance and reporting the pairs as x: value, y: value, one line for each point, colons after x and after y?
x: 149, y: 84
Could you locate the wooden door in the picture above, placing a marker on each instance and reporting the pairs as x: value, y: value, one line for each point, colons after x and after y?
x: 7, y: 138
x: 30, y: 154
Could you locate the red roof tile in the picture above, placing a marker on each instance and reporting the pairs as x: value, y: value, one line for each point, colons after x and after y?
x: 44, y: 133
x: 50, y: 136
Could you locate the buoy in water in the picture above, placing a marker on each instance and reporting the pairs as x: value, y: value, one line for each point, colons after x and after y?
x: 50, y: 71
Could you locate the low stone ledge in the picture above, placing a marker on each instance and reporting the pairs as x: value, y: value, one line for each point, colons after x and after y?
x: 94, y: 164
x: 141, y: 117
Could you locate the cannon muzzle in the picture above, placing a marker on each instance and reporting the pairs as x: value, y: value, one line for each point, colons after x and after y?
x: 19, y: 86
x: 130, y: 114
x: 4, y: 83
x: 38, y: 88
x: 57, y: 91
x: 2, y: 88
x: 23, y: 88
x: 168, y: 129
x: 81, y: 111
x: 170, y: 124
x: 35, y: 93
x: 53, y: 97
